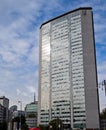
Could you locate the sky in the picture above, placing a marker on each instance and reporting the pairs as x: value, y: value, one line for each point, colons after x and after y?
x: 20, y: 21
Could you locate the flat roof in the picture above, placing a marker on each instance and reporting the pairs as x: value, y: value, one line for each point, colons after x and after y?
x: 81, y: 8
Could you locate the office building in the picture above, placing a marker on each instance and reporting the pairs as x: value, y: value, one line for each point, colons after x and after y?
x: 5, y: 103
x: 67, y: 73
x: 31, y: 113
x: 18, y: 113
x: 2, y: 113
x: 12, y: 109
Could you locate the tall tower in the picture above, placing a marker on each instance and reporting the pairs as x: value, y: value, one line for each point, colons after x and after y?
x: 67, y: 73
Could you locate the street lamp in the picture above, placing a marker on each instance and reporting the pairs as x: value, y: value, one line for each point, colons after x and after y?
x: 20, y: 102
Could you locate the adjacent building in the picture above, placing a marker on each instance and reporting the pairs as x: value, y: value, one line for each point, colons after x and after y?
x: 12, y: 109
x: 17, y: 120
x: 67, y: 73
x: 31, y: 113
x: 4, y: 105
x: 2, y: 113
x: 18, y: 113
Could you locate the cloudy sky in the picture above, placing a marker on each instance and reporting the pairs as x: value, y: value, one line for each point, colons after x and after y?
x: 19, y: 43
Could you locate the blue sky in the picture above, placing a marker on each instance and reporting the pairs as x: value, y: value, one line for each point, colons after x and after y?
x: 19, y: 43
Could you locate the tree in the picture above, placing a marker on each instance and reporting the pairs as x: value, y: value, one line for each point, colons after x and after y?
x: 23, y: 124
x: 24, y: 127
x: 32, y: 115
x: 3, y: 125
x: 55, y: 124
x: 103, y: 114
x: 43, y: 127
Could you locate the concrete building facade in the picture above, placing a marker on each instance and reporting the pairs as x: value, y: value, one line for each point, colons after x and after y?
x: 67, y: 73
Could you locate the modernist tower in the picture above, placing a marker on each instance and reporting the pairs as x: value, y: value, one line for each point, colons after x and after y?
x: 67, y: 74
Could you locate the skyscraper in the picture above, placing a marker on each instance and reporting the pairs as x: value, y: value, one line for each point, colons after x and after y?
x: 67, y: 74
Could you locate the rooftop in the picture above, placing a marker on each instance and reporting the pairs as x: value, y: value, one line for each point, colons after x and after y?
x: 81, y: 8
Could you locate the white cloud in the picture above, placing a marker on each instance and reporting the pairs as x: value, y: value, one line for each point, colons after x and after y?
x: 31, y: 89
x: 22, y: 93
x: 18, y: 92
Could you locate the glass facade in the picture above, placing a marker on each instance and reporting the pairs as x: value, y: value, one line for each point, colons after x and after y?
x: 61, y: 46
x: 62, y: 92
x: 79, y: 116
x: 60, y: 79
x: 31, y: 114
x: 45, y: 74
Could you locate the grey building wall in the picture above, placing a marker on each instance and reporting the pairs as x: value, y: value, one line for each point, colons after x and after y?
x: 90, y: 72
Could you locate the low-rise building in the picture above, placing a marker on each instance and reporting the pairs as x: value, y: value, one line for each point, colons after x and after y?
x: 31, y: 112
x: 18, y: 113
x: 17, y: 120
x: 11, y: 110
